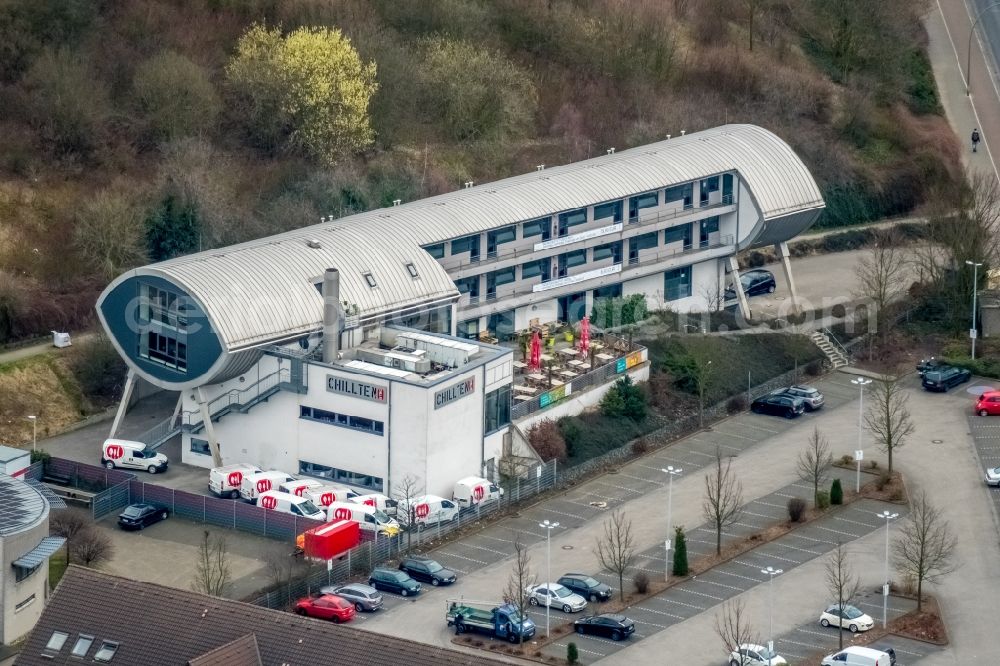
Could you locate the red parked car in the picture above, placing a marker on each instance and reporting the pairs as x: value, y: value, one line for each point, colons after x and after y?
x: 988, y: 404
x: 326, y: 607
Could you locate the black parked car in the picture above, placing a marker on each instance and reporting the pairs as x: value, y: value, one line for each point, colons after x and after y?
x: 943, y: 377
x: 778, y: 404
x: 755, y: 281
x: 137, y: 516
x: 427, y: 570
x: 586, y: 586
x: 615, y: 627
x: 390, y: 580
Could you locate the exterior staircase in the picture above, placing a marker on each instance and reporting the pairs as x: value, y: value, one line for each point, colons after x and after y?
x: 834, y: 352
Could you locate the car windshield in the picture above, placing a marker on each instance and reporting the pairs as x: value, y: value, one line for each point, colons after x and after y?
x: 381, y: 516
x: 433, y: 566
x: 766, y: 654
x: 132, y: 512
x: 996, y: 470
x: 561, y: 592
x: 515, y: 617
x: 590, y: 582
x: 852, y: 613
x: 308, y: 508
x: 400, y: 576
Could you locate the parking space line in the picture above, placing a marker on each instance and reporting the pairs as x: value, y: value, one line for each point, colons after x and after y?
x: 667, y: 599
x: 850, y: 535
x: 582, y: 649
x: 646, y: 609
x: 723, y: 571
x: 462, y: 557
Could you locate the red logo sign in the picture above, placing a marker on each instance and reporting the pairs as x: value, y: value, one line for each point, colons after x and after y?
x: 263, y: 485
x: 478, y: 492
x: 115, y: 451
x: 268, y: 502
x: 300, y: 490
x: 342, y: 513
x: 326, y: 499
x: 370, y: 501
x: 235, y: 478
x: 422, y: 510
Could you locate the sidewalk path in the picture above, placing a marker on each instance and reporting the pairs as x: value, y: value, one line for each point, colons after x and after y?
x: 40, y: 348
x: 948, y: 25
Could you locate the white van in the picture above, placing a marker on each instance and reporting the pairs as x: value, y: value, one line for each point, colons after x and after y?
x: 427, y: 510
x: 376, y: 500
x: 226, y: 481
x: 473, y: 490
x: 855, y: 655
x: 132, y: 455
x: 324, y: 496
x: 298, y: 487
x: 276, y: 500
x: 255, y: 484
x: 367, y: 517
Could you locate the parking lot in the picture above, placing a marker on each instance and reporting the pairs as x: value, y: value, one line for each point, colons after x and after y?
x: 986, y: 437
x: 699, y: 594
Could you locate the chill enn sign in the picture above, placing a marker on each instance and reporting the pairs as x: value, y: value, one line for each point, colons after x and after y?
x: 356, y: 389
x: 454, y: 392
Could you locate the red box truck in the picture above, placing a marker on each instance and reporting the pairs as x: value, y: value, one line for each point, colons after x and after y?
x: 331, y: 540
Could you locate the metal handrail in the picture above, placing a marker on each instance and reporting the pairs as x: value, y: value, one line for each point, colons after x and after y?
x: 493, y: 257
x: 830, y: 336
x: 465, y: 301
x: 240, y: 397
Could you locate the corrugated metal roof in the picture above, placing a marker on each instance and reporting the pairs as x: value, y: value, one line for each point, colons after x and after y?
x: 43, y: 551
x: 263, y: 290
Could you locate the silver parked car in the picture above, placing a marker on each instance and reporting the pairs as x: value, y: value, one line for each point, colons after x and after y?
x: 807, y: 394
x: 364, y: 597
x: 556, y: 596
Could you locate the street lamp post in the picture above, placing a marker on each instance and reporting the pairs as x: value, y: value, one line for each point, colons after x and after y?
x: 885, y: 587
x: 34, y: 432
x: 771, y: 572
x: 861, y: 383
x: 671, y: 472
x: 548, y: 568
x: 973, y: 332
x: 968, y: 55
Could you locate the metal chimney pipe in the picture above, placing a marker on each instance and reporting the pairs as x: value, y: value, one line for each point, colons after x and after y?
x: 331, y: 315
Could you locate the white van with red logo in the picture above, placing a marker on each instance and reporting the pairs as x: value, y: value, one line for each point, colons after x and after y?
x: 255, y: 484
x: 298, y: 487
x: 324, y: 496
x: 376, y: 500
x: 275, y: 500
x: 226, y: 481
x: 367, y: 517
x: 473, y: 490
x: 132, y: 455
x: 427, y: 510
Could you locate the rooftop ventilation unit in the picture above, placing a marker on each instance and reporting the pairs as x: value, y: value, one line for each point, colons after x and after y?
x: 313, y: 243
x: 411, y: 361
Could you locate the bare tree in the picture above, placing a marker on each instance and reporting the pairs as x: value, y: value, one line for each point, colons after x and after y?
x: 212, y: 573
x: 814, y: 461
x: 698, y: 370
x: 521, y: 576
x: 753, y: 8
x: 723, y: 503
x: 882, y: 274
x: 616, y: 548
x: 888, y: 418
x: 841, y: 582
x: 405, y: 491
x: 91, y: 548
x: 714, y: 294
x: 925, y: 547
x: 69, y: 523
x: 732, y: 624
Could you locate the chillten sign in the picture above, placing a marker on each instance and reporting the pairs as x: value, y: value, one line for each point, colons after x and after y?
x: 454, y: 392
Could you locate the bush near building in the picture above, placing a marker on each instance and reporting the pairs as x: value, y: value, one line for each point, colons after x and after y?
x: 547, y: 440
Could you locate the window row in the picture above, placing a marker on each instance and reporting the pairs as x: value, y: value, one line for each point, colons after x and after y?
x: 163, y: 306
x: 608, y: 213
x: 343, y: 420
x: 336, y: 475
x: 165, y: 348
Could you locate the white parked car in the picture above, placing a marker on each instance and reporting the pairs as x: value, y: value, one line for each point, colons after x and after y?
x: 556, y: 596
x: 755, y: 655
x: 993, y: 476
x: 847, y: 617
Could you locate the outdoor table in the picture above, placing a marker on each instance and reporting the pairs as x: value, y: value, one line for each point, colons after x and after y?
x: 522, y: 398
x: 577, y: 363
x: 556, y: 382
x: 569, y: 351
x: 569, y: 374
x: 537, y: 376
x: 606, y: 357
x: 545, y: 357
x: 521, y: 388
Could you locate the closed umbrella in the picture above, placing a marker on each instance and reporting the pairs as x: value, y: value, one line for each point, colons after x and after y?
x: 535, y: 362
x: 585, y: 334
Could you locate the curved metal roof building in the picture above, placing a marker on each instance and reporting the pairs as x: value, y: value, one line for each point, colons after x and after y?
x: 265, y: 291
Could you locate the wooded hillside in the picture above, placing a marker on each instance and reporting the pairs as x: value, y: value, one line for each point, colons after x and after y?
x: 141, y: 129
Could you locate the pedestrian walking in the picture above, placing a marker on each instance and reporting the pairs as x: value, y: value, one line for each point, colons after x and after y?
x: 975, y: 139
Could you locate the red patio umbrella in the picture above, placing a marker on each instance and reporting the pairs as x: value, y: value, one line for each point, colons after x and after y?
x: 585, y: 334
x: 535, y: 362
